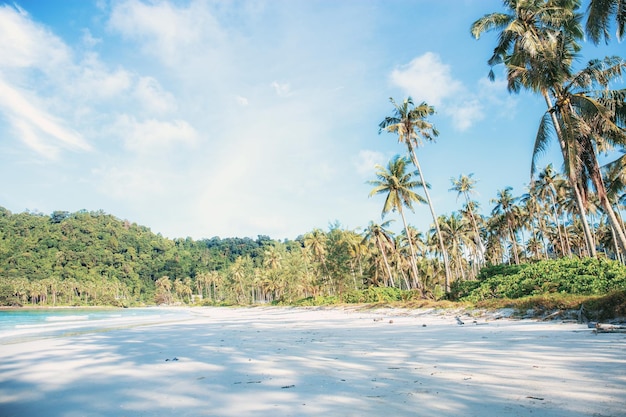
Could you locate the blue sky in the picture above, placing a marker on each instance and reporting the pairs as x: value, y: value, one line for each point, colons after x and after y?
x: 207, y: 118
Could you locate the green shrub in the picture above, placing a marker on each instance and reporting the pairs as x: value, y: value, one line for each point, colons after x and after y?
x: 500, y: 270
x: 586, y: 276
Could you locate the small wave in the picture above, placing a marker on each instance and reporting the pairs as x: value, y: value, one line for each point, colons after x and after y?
x: 30, y: 326
x: 67, y: 318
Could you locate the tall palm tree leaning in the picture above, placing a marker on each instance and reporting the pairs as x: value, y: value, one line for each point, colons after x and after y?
x: 537, y: 44
x: 398, y: 185
x: 586, y: 111
x: 410, y: 124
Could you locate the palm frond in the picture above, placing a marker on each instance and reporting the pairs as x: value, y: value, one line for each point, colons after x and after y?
x: 544, y: 133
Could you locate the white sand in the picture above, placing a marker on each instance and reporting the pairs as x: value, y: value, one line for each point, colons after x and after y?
x: 318, y: 362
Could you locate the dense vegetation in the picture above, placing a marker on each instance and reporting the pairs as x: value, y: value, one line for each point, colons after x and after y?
x: 93, y: 258
x: 563, y: 235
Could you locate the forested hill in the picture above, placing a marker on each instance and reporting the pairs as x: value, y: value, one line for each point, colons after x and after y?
x: 96, y: 258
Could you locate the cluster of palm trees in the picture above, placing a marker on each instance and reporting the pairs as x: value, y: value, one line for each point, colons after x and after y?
x: 538, y: 43
x: 53, y: 291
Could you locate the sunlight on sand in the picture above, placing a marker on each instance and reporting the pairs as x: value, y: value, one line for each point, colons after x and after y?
x: 311, y: 362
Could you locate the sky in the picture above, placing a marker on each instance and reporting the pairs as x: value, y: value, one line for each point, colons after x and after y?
x: 203, y: 118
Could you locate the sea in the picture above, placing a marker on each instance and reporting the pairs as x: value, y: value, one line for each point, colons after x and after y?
x: 24, y: 324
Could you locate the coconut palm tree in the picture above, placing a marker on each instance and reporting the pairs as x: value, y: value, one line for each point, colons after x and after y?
x: 587, y: 113
x: 465, y: 185
x: 538, y: 44
x: 356, y: 249
x: 599, y: 14
x: 504, y: 206
x: 533, y: 208
x: 382, y: 238
x: 497, y: 232
x: 458, y: 234
x: 545, y: 185
x: 397, y: 184
x: 410, y: 124
x: 615, y: 172
x: 164, y: 289
x: 239, y: 272
x: 315, y: 243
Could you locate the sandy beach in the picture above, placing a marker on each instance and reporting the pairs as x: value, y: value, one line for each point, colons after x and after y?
x: 317, y: 362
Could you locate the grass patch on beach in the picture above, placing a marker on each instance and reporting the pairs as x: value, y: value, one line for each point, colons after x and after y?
x: 573, y: 306
x: 592, y: 307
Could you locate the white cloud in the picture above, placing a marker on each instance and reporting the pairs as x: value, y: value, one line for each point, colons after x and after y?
x: 465, y: 114
x: 242, y: 101
x: 281, y: 90
x: 496, y: 95
x: 166, y: 31
x: 154, y: 135
x: 94, y: 80
x: 426, y: 78
x: 24, y: 44
x: 366, y: 160
x: 29, y: 118
x: 153, y: 97
x: 33, y: 140
x: 88, y: 39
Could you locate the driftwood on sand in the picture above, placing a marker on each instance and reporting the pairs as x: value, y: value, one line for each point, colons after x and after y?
x: 609, y: 328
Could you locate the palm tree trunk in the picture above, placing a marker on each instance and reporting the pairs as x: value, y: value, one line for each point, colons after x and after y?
x: 514, y: 243
x: 570, y: 176
x: 598, y: 183
x: 444, y: 253
x: 481, y: 246
x: 408, y: 237
x: 382, y: 252
x: 619, y: 254
x: 556, y: 220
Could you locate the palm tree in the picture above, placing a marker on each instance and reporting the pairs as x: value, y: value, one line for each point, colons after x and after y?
x: 356, y: 249
x: 272, y: 257
x: 505, y: 207
x: 383, y: 240
x: 458, y: 234
x: 465, y: 185
x: 240, y: 273
x: 164, y: 288
x: 616, y: 183
x: 410, y: 124
x: 588, y: 121
x: 599, y: 14
x: 315, y: 243
x: 535, y: 210
x: 398, y: 185
x: 538, y: 45
x: 497, y: 231
x: 546, y: 188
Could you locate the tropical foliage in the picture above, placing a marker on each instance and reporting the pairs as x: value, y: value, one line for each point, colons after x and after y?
x: 571, y: 276
x: 563, y: 234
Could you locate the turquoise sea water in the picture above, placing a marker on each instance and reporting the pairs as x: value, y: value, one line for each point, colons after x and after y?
x: 16, y: 324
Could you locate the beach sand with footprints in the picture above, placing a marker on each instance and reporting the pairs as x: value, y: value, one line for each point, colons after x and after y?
x: 267, y: 361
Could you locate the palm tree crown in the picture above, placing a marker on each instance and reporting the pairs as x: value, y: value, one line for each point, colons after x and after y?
x: 397, y: 184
